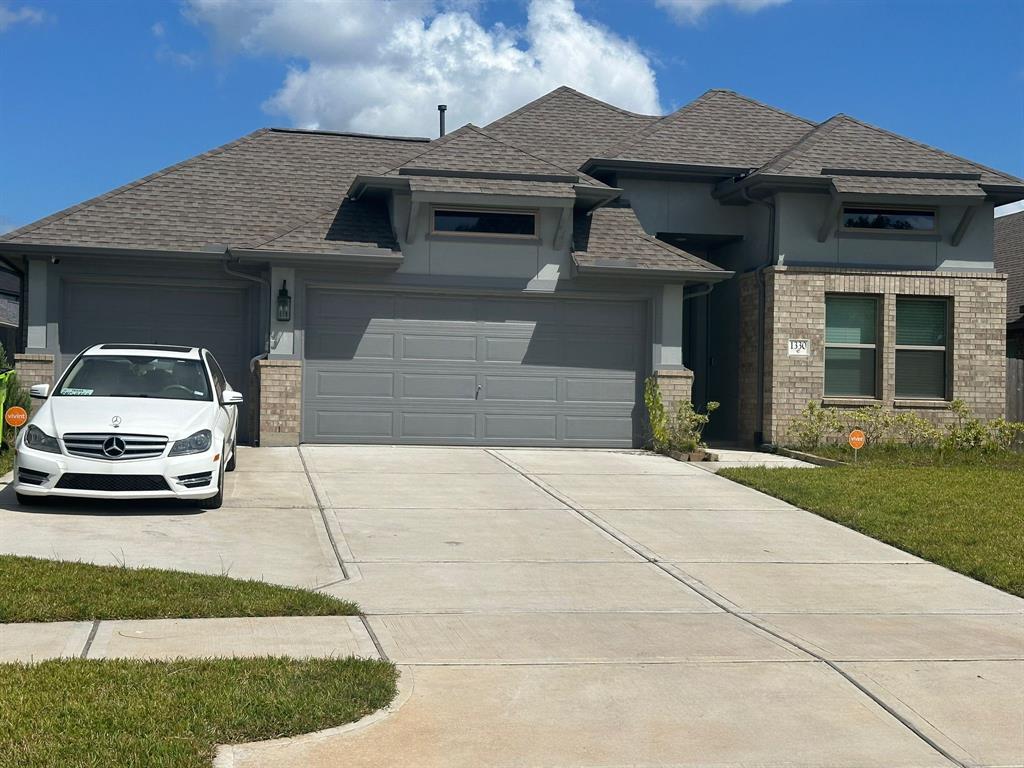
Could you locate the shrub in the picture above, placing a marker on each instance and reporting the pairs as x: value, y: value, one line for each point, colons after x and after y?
x: 813, y: 425
x: 16, y: 395
x: 680, y: 431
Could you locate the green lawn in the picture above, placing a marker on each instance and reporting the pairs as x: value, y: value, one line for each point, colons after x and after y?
x: 963, y: 512
x: 50, y: 590
x: 71, y: 714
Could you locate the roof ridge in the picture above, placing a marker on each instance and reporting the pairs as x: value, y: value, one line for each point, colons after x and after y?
x: 65, y: 212
x: 765, y: 105
x: 1012, y: 179
x: 647, y: 130
x: 504, y: 143
x: 791, y: 150
x: 434, y: 144
x: 513, y: 115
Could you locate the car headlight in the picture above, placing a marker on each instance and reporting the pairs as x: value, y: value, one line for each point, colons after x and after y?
x: 196, y: 443
x: 40, y: 441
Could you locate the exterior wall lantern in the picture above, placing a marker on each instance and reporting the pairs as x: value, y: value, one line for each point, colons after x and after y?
x: 284, y: 304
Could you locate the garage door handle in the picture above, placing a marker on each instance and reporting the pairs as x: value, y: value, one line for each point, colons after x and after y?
x: 478, y: 388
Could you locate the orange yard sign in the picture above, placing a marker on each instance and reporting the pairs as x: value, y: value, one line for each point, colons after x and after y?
x: 16, y: 416
x: 857, y: 439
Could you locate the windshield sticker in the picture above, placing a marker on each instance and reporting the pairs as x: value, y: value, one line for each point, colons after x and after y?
x: 75, y: 392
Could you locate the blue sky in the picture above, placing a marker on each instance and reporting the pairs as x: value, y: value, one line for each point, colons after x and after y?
x: 96, y: 94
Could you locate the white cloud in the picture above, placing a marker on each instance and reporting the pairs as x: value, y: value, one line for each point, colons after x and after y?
x: 158, y: 29
x: 1006, y: 210
x: 691, y: 11
x: 10, y: 16
x: 382, y: 67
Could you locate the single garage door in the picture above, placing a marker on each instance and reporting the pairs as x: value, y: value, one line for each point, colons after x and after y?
x: 415, y: 368
x: 218, y: 318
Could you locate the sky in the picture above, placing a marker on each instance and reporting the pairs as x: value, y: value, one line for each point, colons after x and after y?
x: 98, y: 93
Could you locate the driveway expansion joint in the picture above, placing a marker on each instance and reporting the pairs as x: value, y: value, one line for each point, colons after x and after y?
x: 710, y: 595
x: 89, y: 640
x: 323, y: 517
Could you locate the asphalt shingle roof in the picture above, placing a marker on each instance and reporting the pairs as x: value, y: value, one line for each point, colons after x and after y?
x: 568, y: 127
x: 613, y: 237
x: 904, y: 185
x: 720, y: 128
x: 491, y: 186
x: 272, y: 185
x: 1009, y: 258
x: 842, y: 142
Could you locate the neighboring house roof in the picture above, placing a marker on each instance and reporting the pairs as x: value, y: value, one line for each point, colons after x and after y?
x: 611, y: 239
x: 568, y: 127
x: 9, y: 311
x: 273, y: 186
x: 719, y: 128
x: 1009, y: 258
x: 842, y: 142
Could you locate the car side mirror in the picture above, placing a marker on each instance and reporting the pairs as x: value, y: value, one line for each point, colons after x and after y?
x: 230, y: 397
x: 39, y: 391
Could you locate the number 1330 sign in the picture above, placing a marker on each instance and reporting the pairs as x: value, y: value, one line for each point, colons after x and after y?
x: 799, y: 347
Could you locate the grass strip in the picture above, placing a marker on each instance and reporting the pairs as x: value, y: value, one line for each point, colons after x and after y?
x: 33, y: 589
x: 79, y: 714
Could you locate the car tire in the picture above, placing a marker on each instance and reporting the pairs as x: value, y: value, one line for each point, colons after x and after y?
x: 234, y: 453
x: 29, y: 501
x: 217, y: 500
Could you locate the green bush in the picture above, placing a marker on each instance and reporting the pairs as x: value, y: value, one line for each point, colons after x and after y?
x: 16, y: 395
x: 680, y: 431
x: 814, y: 424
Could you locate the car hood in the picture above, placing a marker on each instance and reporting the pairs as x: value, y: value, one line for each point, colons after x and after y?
x: 138, y: 416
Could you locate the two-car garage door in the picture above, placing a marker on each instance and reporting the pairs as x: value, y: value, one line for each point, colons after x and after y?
x: 423, y: 368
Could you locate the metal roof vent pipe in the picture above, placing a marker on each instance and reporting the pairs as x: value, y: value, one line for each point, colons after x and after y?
x: 441, y: 109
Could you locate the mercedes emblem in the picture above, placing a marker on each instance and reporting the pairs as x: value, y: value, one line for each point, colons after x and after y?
x: 114, y: 447
x: 116, y: 421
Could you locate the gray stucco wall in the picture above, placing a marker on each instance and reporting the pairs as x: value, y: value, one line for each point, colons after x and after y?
x: 801, y: 215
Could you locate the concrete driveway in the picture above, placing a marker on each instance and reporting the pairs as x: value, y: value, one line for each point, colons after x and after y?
x: 592, y: 608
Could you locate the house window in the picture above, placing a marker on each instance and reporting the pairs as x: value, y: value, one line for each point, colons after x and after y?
x: 922, y: 327
x: 851, y: 346
x: 449, y: 221
x: 887, y: 219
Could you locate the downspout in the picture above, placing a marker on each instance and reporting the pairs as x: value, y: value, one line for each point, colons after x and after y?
x: 761, y: 307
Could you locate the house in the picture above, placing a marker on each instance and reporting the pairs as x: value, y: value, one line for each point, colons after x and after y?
x: 10, y: 310
x: 1009, y: 258
x: 516, y: 283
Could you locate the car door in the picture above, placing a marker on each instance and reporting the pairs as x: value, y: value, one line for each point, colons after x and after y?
x: 220, y: 383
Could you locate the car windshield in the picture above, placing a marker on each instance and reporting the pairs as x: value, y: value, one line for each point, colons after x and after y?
x: 165, y: 378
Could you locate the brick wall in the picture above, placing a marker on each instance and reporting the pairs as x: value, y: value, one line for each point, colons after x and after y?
x: 795, y: 309
x: 278, y: 387
x: 34, y: 368
x: 675, y: 385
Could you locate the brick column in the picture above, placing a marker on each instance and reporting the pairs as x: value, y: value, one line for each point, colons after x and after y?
x: 34, y: 368
x: 676, y: 385
x: 279, y: 398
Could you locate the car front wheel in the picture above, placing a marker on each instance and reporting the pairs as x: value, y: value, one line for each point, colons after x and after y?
x: 215, y: 501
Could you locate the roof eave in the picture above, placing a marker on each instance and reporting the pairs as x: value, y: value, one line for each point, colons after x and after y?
x: 733, y: 190
x: 356, y: 256
x: 677, y: 275
x: 1001, y: 194
x: 649, y: 168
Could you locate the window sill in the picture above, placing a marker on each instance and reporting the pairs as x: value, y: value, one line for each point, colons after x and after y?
x: 850, y: 402
x: 934, y: 404
x: 477, y: 237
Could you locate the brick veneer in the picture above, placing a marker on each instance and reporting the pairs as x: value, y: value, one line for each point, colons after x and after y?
x: 34, y: 368
x: 795, y: 309
x: 675, y: 385
x: 278, y: 387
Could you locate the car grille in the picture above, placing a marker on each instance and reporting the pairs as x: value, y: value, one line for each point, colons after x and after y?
x: 135, y: 446
x: 31, y: 476
x: 76, y: 481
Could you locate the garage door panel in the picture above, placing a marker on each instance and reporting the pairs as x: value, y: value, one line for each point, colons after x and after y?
x: 350, y: 345
x: 471, y: 370
x: 332, y: 306
x: 431, y: 348
x: 434, y: 425
x: 524, y: 388
x: 355, y: 384
x: 368, y: 425
x: 438, y: 386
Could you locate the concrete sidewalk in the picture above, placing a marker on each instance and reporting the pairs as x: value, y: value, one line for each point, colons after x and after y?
x: 163, y: 639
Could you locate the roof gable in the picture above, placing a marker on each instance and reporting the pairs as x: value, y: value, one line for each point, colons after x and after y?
x: 719, y: 128
x: 568, y: 127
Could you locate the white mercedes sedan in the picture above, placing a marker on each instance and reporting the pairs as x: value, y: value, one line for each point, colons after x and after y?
x: 131, y: 422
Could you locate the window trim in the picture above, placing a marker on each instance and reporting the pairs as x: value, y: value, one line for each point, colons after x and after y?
x: 947, y: 350
x: 434, y: 232
x: 926, y: 233
x: 877, y: 346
